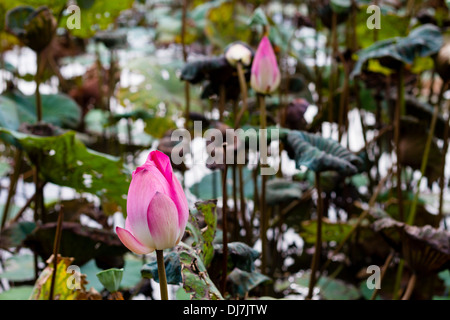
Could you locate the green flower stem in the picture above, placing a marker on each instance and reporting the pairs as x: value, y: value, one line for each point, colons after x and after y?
x: 410, y: 287
x: 39, y: 210
x: 187, y: 104
x: 398, y: 278
x: 444, y: 154
x: 247, y: 227
x: 222, y: 98
x: 234, y: 168
x: 22, y: 210
x: 39, y: 199
x: 262, y: 205
x: 343, y: 102
x: 364, y: 133
x: 56, y: 245
x: 183, y: 43
x: 318, y: 245
x: 255, y: 192
x: 224, y: 221
x: 235, y: 213
x: 162, y: 275
x: 12, y: 185
x: 362, y: 216
x: 333, y: 71
x: 399, y: 111
x: 383, y: 272
x: 37, y: 79
x: 243, y: 87
x: 412, y: 212
x: 317, y: 69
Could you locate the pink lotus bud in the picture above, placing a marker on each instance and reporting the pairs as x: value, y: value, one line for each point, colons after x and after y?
x: 157, y: 209
x: 265, y: 76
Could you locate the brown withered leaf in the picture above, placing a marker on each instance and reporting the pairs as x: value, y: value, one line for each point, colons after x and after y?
x: 67, y: 285
x: 426, y: 249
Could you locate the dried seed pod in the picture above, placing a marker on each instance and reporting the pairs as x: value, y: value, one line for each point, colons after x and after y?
x: 35, y: 28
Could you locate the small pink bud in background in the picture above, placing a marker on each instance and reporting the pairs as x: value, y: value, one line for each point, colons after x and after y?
x: 265, y: 75
x: 157, y: 209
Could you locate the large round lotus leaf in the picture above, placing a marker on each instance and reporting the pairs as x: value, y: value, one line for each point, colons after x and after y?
x: 66, y: 161
x: 57, y: 109
x: 243, y: 281
x: 423, y: 41
x: 281, y: 190
x: 17, y: 293
x: 321, y: 154
x: 19, y: 268
x: 215, y: 69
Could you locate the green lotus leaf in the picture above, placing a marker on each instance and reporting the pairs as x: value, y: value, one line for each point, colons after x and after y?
x: 96, y: 16
x: 111, y: 278
x: 240, y: 255
x: 282, y: 190
x: 196, y: 280
x: 172, y: 265
x: 422, y: 41
x: 17, y: 293
x: 57, y: 109
x: 341, y: 6
x: 19, y: 268
x: 215, y: 69
x: 330, y: 289
x: 66, y: 161
x: 321, y: 154
x: 244, y: 281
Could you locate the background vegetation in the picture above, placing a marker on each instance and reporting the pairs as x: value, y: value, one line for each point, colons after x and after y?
x: 364, y: 120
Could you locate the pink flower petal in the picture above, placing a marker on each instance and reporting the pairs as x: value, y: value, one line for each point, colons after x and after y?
x: 155, y: 176
x: 163, y: 221
x: 265, y: 74
x: 144, y: 185
x: 131, y: 242
x: 179, y: 198
x: 161, y: 161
